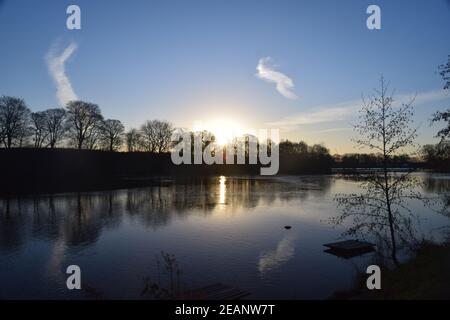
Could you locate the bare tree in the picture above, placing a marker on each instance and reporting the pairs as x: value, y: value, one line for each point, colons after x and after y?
x: 93, y: 141
x: 39, y: 128
x: 24, y: 133
x: 148, y: 136
x: 111, y: 134
x: 381, y: 207
x: 156, y: 136
x: 163, y: 132
x: 133, y: 138
x: 14, y: 121
x: 55, y: 119
x: 83, y: 120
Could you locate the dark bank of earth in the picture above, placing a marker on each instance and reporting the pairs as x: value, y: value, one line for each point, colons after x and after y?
x: 426, y: 277
x: 30, y: 170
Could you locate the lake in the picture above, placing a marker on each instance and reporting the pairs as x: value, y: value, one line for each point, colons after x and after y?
x: 226, y: 230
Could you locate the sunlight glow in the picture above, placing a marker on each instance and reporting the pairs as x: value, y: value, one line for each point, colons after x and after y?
x: 224, y: 129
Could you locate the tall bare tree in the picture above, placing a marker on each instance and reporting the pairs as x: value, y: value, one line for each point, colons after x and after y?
x: 156, y: 136
x: 163, y: 132
x: 111, y: 134
x: 381, y: 207
x: 55, y: 120
x: 148, y: 136
x: 132, y: 139
x: 39, y: 128
x: 14, y: 121
x: 93, y: 141
x: 83, y: 119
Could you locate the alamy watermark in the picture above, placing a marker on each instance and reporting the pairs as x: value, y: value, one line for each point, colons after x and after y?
x: 373, y: 22
x: 74, y: 279
x: 256, y: 147
x: 374, y: 280
x: 73, y: 21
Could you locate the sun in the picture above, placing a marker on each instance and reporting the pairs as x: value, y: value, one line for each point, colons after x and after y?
x: 224, y: 129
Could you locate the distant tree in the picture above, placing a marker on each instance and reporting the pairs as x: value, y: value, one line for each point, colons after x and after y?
x: 163, y: 132
x: 14, y: 121
x: 55, y: 119
x: 24, y: 133
x: 132, y: 139
x: 83, y: 119
x: 381, y: 208
x: 289, y: 147
x: 148, y: 136
x: 94, y: 140
x: 431, y: 155
x: 156, y: 135
x: 39, y: 128
x: 437, y: 156
x: 111, y: 134
x: 319, y: 150
x: 301, y: 147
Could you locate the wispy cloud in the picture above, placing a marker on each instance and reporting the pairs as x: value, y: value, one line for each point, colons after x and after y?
x: 422, y: 97
x: 56, y: 67
x: 331, y: 130
x: 267, y: 72
x: 345, y: 111
x: 324, y: 114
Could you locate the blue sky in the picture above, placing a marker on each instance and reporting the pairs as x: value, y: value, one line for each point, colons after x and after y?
x: 186, y: 61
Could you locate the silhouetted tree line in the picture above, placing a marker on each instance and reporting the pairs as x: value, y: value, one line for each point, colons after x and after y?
x: 80, y: 125
x: 311, y: 159
x: 374, y: 160
x: 437, y: 157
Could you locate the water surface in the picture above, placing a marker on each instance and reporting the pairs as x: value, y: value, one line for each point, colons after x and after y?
x: 221, y: 229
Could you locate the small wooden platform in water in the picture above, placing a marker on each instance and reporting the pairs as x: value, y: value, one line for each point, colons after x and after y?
x: 349, y: 248
x: 218, y: 291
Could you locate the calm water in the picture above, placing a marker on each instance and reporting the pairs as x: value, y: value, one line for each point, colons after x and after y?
x: 222, y: 229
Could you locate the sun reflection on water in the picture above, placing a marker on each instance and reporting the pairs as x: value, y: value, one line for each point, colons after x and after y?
x: 222, y: 189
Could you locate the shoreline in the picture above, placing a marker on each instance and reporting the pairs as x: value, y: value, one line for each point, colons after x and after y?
x: 421, y: 278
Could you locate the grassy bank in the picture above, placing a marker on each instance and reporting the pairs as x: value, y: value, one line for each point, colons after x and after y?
x: 427, y: 276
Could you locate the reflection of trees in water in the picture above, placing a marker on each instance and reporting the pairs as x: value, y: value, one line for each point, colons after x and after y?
x: 46, y: 219
x: 83, y: 225
x: 385, y: 215
x: 78, y: 219
x: 439, y: 185
x: 408, y: 193
x: 12, y: 224
x: 436, y: 184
